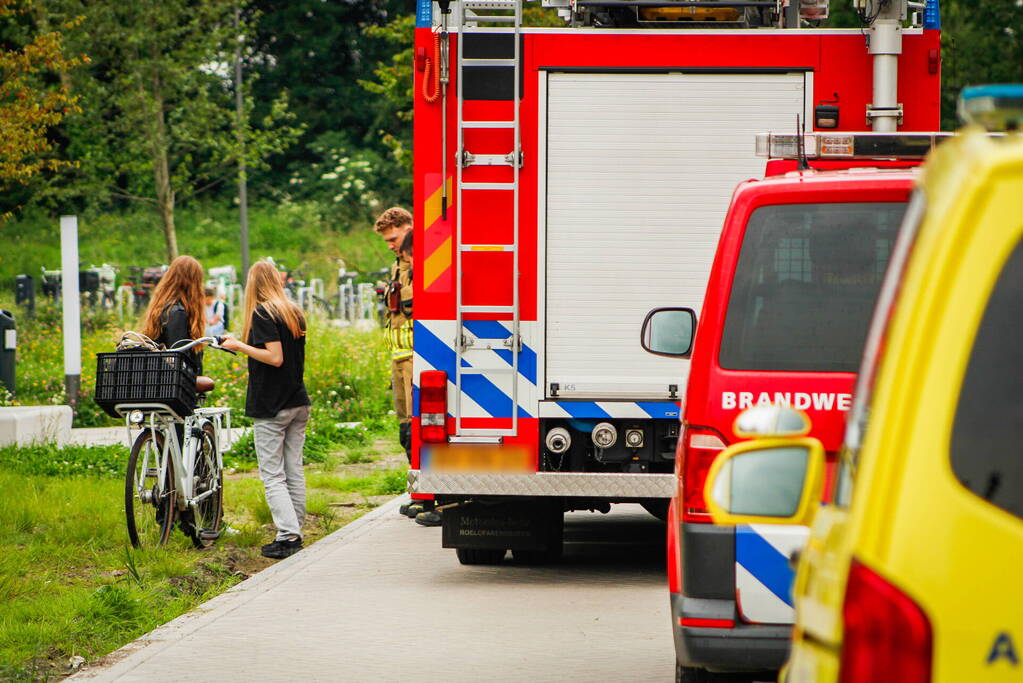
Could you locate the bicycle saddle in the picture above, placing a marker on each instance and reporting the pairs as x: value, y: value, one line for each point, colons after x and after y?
x: 203, y: 384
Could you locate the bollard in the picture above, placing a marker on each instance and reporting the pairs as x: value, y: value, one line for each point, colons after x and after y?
x: 8, y: 346
x: 25, y: 293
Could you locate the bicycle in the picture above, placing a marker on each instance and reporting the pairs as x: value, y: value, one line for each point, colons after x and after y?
x: 175, y: 469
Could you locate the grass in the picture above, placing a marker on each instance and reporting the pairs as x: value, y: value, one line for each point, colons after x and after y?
x: 70, y: 586
x: 347, y: 376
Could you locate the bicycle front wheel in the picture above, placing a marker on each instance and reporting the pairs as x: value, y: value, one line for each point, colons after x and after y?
x: 149, y: 503
x: 209, y: 477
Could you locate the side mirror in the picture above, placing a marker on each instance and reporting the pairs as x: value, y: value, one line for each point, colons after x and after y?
x: 767, y: 481
x: 669, y: 332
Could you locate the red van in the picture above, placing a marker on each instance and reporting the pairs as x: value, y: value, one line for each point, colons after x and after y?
x: 797, y: 271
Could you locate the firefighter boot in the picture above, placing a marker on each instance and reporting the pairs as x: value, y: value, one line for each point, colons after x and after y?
x: 429, y: 518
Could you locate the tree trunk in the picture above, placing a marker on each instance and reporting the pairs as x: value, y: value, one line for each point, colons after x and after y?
x: 161, y: 176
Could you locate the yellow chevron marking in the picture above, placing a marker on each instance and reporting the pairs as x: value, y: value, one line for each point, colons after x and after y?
x: 431, y: 210
x: 436, y: 263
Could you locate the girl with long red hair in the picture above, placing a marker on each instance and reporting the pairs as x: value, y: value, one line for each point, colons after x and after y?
x: 175, y: 309
x: 276, y: 400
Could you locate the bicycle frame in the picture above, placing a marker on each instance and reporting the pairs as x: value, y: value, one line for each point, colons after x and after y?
x: 162, y: 420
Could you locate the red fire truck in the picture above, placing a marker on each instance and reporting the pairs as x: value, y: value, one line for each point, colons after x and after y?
x: 566, y: 179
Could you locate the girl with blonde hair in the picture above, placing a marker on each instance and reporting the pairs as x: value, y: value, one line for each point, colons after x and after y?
x: 175, y: 309
x: 277, y: 401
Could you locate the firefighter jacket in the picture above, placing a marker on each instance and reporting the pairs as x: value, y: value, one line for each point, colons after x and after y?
x: 399, y: 311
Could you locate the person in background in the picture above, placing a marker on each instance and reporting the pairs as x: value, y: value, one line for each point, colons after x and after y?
x: 275, y: 333
x: 175, y: 310
x: 215, y: 310
x: 395, y: 226
x: 426, y: 514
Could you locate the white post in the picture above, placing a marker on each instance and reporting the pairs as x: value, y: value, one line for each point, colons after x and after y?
x: 72, y: 314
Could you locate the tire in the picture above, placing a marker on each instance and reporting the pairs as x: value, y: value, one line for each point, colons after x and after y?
x: 689, y: 674
x: 149, y: 514
x: 479, y: 555
x: 657, y: 507
x: 204, y: 528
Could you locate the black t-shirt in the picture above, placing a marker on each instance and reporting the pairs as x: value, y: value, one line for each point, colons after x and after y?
x: 175, y: 327
x: 271, y: 389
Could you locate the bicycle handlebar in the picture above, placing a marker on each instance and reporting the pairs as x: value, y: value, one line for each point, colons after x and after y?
x: 212, y: 342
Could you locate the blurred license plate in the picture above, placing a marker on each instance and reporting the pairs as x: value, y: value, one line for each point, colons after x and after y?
x: 477, y: 458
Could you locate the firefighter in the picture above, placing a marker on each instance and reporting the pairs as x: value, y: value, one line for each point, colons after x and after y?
x: 395, y: 226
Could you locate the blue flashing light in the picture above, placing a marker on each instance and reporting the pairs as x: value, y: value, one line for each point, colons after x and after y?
x: 932, y: 14
x: 996, y: 107
x: 424, y: 13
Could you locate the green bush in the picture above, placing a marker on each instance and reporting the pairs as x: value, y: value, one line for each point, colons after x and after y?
x: 98, y: 461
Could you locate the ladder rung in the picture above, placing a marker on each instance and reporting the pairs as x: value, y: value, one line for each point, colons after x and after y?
x: 488, y: 186
x: 488, y: 62
x: 486, y: 309
x: 488, y: 247
x: 487, y: 371
x: 487, y: 432
x: 488, y: 124
x: 470, y: 159
x: 489, y: 18
x: 490, y: 4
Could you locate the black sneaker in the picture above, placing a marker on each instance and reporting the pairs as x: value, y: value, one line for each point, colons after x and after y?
x: 429, y: 518
x: 278, y: 550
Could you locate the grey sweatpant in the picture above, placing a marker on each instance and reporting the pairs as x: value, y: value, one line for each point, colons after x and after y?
x: 279, y: 441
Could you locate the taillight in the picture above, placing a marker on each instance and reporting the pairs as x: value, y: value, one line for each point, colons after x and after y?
x: 700, y: 447
x: 887, y: 637
x: 433, y: 405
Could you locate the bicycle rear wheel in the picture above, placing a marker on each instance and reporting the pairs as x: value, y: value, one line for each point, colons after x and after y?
x: 149, y: 504
x: 209, y: 512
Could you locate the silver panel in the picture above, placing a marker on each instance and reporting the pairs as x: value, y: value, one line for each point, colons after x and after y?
x: 544, y: 484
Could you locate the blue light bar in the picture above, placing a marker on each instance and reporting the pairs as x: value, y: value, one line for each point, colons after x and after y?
x: 932, y: 14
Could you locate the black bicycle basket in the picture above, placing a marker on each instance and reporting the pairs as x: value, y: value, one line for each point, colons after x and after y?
x: 142, y: 376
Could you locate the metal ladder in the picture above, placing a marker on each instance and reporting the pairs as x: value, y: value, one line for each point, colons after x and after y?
x: 472, y: 13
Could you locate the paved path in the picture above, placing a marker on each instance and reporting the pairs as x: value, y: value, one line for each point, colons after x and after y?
x: 348, y: 609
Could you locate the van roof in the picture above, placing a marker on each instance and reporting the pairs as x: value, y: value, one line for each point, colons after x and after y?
x: 853, y: 178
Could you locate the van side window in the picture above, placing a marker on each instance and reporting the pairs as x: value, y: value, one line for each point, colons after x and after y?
x: 987, y: 436
x: 805, y: 286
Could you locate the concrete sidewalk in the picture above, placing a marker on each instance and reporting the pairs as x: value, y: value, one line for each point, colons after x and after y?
x: 380, y: 600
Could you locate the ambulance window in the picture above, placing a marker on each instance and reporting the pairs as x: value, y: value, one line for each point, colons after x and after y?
x: 987, y: 436
x: 805, y: 285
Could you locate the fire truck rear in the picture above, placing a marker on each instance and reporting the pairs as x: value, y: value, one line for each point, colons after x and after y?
x: 565, y: 180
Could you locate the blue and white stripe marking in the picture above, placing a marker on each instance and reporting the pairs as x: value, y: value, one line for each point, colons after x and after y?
x: 610, y: 409
x: 489, y: 395
x: 482, y: 395
x: 763, y: 577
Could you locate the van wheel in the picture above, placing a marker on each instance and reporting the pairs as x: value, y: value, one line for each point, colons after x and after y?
x: 479, y: 555
x: 689, y: 674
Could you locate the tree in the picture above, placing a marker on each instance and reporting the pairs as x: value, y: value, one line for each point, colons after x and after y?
x: 30, y: 104
x: 982, y: 42
x: 160, y: 124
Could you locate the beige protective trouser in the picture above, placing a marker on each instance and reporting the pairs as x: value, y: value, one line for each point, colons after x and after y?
x: 401, y: 386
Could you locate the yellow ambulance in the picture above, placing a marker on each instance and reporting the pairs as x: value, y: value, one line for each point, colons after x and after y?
x: 914, y: 568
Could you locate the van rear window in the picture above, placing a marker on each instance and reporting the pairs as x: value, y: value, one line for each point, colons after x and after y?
x: 805, y: 286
